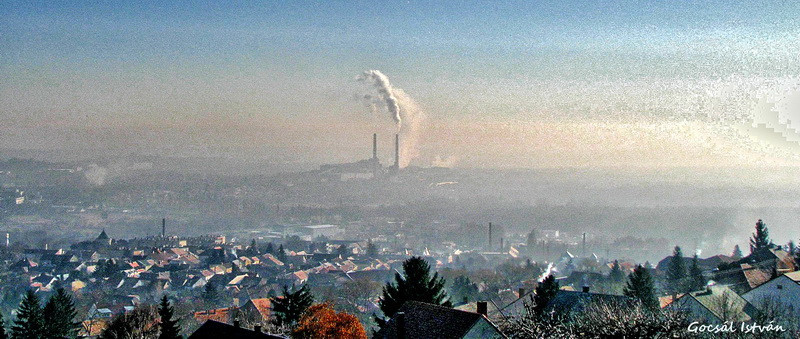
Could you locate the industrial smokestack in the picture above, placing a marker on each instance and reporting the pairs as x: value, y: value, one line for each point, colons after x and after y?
x: 490, y: 236
x: 397, y: 151
x: 375, y: 146
x: 163, y: 227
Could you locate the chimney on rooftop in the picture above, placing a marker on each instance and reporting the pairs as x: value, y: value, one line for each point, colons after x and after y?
x: 482, y: 308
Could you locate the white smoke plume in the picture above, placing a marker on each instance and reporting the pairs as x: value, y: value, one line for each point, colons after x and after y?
x: 100, y: 175
x: 96, y: 174
x: 385, y: 91
x: 403, y: 109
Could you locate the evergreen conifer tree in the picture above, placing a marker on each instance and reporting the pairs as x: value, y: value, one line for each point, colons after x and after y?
x: 372, y: 250
x: 290, y: 308
x: 640, y: 286
x: 616, y: 274
x: 676, y: 272
x: 281, y: 253
x: 737, y: 252
x: 697, y: 280
x: 3, y: 334
x: 59, y: 316
x: 760, y: 238
x: 169, y: 326
x: 544, y: 293
x: 30, y: 320
x: 415, y: 284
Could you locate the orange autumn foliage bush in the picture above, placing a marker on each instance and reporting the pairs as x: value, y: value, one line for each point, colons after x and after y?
x: 322, y: 321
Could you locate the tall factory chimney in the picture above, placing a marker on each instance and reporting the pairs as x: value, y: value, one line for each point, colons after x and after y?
x: 397, y: 151
x: 490, y: 236
x: 374, y: 146
x: 163, y: 227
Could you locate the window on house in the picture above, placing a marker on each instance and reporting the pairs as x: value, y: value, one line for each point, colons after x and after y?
x: 780, y: 287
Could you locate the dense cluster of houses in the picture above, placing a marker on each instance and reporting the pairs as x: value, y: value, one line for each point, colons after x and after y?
x: 222, y: 280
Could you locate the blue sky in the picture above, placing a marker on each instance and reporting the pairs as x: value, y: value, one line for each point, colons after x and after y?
x: 102, y: 64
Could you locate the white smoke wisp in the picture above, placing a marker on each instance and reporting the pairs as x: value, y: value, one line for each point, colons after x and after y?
x: 549, y: 270
x: 96, y: 174
x: 404, y: 112
x: 100, y: 175
x: 385, y: 91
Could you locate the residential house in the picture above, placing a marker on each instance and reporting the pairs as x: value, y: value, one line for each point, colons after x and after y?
x: 713, y: 305
x: 783, y: 291
x: 420, y: 320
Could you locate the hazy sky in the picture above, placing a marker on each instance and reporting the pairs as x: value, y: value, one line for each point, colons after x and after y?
x: 519, y: 84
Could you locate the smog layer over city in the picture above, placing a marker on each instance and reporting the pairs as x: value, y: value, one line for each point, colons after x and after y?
x: 331, y: 169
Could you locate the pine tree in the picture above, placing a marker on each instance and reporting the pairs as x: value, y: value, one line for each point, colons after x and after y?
x: 697, y: 280
x: 544, y: 293
x: 290, y: 308
x: 271, y: 249
x: 640, y: 286
x: 416, y: 284
x: 30, y: 320
x: 169, y: 326
x: 59, y: 316
x: 676, y: 272
x: 760, y: 238
x: 531, y: 241
x: 3, y: 334
x: 281, y: 253
x: 464, y: 289
x: 737, y: 252
x: 253, y: 248
x: 372, y: 250
x: 616, y: 274
x: 210, y: 294
x: 342, y: 251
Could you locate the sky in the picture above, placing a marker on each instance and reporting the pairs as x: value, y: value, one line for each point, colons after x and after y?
x: 650, y: 84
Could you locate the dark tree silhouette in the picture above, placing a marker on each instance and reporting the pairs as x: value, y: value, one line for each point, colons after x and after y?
x: 737, y: 252
x: 281, y: 253
x: 616, y: 274
x: 168, y: 326
x: 342, y: 251
x: 3, y: 334
x: 464, y: 289
x: 372, y: 250
x: 59, y: 316
x: 30, y: 320
x: 210, y: 293
x: 696, y: 279
x: 290, y: 308
x: 760, y: 238
x: 676, y: 272
x: 416, y: 285
x: 531, y: 241
x: 544, y: 293
x: 640, y: 286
